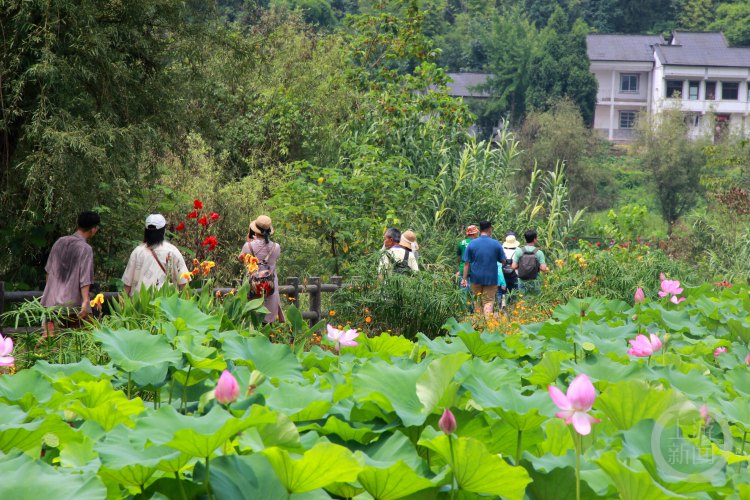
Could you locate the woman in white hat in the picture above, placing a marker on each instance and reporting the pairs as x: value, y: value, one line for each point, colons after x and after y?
x: 261, y: 247
x: 509, y: 247
x: 155, y: 261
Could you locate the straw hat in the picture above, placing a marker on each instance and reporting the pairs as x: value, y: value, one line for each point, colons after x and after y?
x: 472, y: 230
x: 409, y: 240
x: 262, y: 223
x: 511, y: 241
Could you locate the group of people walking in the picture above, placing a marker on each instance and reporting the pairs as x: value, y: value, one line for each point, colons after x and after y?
x: 491, y: 271
x: 70, y: 265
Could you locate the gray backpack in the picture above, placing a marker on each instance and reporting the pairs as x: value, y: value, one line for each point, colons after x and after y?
x: 528, y: 266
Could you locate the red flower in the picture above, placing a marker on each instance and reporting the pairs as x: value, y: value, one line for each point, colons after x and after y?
x: 193, y: 214
x: 214, y: 216
x: 210, y: 242
x: 180, y: 227
x: 203, y: 221
x: 197, y: 204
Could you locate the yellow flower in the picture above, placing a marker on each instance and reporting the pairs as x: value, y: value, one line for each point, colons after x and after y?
x: 186, y: 276
x: 97, y: 301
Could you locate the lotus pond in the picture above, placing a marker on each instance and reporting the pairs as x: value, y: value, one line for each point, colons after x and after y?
x: 667, y: 420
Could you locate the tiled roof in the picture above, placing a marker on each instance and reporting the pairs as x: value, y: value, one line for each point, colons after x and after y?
x: 464, y: 83
x: 621, y: 47
x: 702, y: 49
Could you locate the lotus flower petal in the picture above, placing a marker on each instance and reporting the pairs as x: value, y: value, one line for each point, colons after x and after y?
x: 227, y: 389
x: 655, y: 343
x: 581, y: 393
x: 6, y: 346
x: 639, y: 296
x: 582, y: 423
x: 7, y: 360
x: 447, y: 422
x: 558, y: 398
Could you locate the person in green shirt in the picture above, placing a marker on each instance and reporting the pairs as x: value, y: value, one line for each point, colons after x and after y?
x: 529, y: 262
x: 471, y: 233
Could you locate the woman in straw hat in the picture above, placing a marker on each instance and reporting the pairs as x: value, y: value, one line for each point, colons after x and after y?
x: 259, y: 245
x: 511, y: 277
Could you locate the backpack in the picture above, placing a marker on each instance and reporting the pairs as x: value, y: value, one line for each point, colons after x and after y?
x: 528, y: 266
x: 508, y: 270
x: 402, y: 267
x: 262, y: 279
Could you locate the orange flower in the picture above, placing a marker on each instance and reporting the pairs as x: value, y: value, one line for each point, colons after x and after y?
x: 368, y: 319
x: 332, y: 313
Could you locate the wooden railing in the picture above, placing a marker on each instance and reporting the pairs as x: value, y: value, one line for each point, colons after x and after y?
x: 292, y: 290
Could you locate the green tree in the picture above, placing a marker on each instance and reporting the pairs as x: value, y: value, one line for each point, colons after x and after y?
x: 674, y: 160
x: 695, y: 15
x: 561, y: 67
x: 733, y: 19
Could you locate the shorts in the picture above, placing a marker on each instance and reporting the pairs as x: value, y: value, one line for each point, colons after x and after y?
x: 487, y: 292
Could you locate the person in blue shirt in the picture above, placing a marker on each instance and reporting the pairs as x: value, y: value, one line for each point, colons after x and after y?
x: 480, y: 266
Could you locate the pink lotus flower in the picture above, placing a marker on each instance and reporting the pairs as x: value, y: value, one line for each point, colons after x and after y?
x: 576, y: 404
x: 447, y: 422
x: 342, y: 338
x: 6, y: 349
x: 669, y: 287
x: 676, y: 300
x: 639, y: 296
x: 747, y: 360
x: 719, y: 351
x: 704, y: 414
x: 227, y: 389
x: 644, y: 346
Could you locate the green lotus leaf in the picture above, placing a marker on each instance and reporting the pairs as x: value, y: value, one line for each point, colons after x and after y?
x: 186, y: 315
x: 554, y: 478
x: 345, y: 431
x: 518, y: 410
x: 28, y: 479
x: 320, y: 466
x: 132, y: 350
x: 737, y: 411
x: 694, y: 384
x: 242, y: 477
x: 198, y: 355
x: 16, y: 433
x: 739, y: 329
x: 272, y: 360
x: 477, y: 470
x: 494, y: 374
x: 281, y: 433
x: 82, y: 370
x: 150, y: 376
x: 386, y: 345
x: 387, y: 451
x: 442, y: 345
x: 558, y: 439
x: 396, y: 481
x: 127, y: 461
x: 391, y: 387
x: 738, y: 380
x: 480, y: 347
x: 107, y: 407
x: 298, y: 402
x: 603, y: 368
x: 549, y: 330
x: 435, y: 386
x: 197, y: 436
x: 26, y: 388
x: 627, y: 403
x: 548, y: 369
x: 633, y: 484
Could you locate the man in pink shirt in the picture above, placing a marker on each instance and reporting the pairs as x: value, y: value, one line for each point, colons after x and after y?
x: 70, y: 270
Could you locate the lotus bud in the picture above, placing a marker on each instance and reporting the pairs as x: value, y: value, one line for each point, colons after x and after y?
x: 719, y: 351
x: 69, y: 416
x: 662, y: 277
x: 447, y: 422
x: 227, y: 389
x: 639, y: 296
x: 747, y: 360
x: 635, y: 317
x: 256, y: 379
x: 704, y: 414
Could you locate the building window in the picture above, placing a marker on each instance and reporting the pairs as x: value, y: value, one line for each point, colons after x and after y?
x: 627, y: 119
x: 693, y: 89
x: 710, y: 91
x: 674, y: 88
x: 629, y: 84
x: 730, y: 91
x: 693, y: 119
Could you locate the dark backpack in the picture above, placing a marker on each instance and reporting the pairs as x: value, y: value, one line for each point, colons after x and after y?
x: 262, y: 279
x: 528, y: 266
x: 508, y: 271
x: 402, y: 267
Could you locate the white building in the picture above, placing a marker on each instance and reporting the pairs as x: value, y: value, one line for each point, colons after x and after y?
x: 695, y: 72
